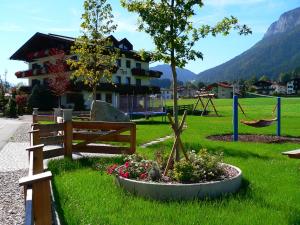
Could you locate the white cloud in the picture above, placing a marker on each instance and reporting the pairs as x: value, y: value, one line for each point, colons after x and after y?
x: 125, y: 24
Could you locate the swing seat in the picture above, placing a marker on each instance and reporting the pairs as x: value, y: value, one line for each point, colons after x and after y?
x: 259, y: 123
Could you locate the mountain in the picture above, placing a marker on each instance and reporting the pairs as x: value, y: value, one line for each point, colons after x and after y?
x: 183, y: 75
x: 278, y: 51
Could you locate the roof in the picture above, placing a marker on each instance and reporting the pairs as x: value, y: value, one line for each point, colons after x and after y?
x: 225, y: 85
x: 262, y: 83
x: 40, y: 42
x: 221, y: 84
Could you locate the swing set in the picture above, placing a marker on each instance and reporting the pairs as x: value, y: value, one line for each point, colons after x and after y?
x: 255, y: 123
x: 201, y: 99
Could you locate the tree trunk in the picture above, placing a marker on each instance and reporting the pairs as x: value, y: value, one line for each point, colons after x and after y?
x: 93, y: 110
x: 175, y: 106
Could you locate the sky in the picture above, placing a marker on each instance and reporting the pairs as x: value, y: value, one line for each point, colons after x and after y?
x: 21, y: 19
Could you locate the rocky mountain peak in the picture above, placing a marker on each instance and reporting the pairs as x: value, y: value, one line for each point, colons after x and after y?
x: 286, y: 22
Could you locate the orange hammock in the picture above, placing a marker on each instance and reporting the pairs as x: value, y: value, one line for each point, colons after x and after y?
x: 259, y: 123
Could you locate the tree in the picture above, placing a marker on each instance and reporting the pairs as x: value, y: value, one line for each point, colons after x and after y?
x: 264, y: 78
x: 11, y: 107
x: 60, y: 81
x: 200, y: 85
x: 170, y: 24
x: 285, y: 77
x: 95, y: 51
x: 42, y: 98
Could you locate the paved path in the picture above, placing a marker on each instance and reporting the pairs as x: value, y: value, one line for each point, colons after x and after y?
x: 7, y: 129
x: 13, y: 155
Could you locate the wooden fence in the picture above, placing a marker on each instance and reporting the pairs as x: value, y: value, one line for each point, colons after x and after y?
x: 37, y: 190
x: 66, y: 138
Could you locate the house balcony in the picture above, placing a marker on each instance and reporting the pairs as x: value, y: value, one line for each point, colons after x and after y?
x: 122, y: 89
x: 146, y: 73
x: 47, y: 68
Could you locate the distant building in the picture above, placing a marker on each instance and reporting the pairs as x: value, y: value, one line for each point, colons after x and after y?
x: 166, y: 93
x: 293, y: 86
x: 279, y: 88
x: 221, y: 89
x: 263, y: 87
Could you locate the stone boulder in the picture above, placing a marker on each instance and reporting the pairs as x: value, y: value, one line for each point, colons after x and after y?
x: 106, y: 112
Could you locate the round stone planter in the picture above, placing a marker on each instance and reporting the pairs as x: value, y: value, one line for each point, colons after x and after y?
x: 177, y: 191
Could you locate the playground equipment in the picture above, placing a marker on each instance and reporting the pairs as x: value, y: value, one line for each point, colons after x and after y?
x: 201, y: 99
x: 139, y: 106
x: 255, y: 123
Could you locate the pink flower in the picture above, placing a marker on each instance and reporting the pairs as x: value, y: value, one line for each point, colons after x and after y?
x: 127, y: 164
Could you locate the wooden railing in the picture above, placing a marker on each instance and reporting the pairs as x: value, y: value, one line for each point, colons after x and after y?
x: 37, y: 190
x: 180, y: 108
x: 70, y: 136
x: 91, y: 136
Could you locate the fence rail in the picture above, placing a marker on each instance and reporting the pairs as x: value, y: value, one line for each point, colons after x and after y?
x: 93, y: 137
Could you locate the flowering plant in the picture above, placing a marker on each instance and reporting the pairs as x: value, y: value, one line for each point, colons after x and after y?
x: 135, y: 167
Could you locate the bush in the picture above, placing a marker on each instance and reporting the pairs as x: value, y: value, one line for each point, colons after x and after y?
x: 41, y: 98
x: 10, y: 109
x: 21, y: 101
x: 78, y: 102
x: 202, y: 167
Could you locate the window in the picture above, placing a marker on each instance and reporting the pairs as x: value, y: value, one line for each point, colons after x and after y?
x: 128, y: 80
x: 35, y: 82
x: 128, y: 64
x: 98, y: 96
x: 138, y: 82
x: 46, y: 82
x: 119, y: 62
x: 36, y: 66
x: 118, y: 80
x: 108, y: 97
x: 138, y: 65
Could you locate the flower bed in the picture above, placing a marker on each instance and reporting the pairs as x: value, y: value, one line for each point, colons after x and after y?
x: 204, y: 175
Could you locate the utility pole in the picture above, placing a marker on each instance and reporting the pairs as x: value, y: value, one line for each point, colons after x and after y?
x: 5, y: 73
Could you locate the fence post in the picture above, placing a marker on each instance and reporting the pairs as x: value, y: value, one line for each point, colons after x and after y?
x: 278, y: 116
x: 34, y: 137
x: 57, y: 113
x: 235, y: 118
x: 35, y: 114
x: 38, y: 165
x: 133, y: 138
x: 68, y: 132
x: 41, y: 197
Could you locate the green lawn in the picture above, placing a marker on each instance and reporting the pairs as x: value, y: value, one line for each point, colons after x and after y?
x: 271, y: 186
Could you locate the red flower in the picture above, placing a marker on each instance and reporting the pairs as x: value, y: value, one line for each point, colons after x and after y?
x: 125, y: 175
x: 111, y: 169
x: 143, y: 176
x: 127, y: 164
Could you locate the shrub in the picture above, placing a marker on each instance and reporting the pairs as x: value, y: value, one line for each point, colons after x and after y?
x: 41, y: 98
x: 202, y: 167
x: 21, y: 101
x: 10, y: 109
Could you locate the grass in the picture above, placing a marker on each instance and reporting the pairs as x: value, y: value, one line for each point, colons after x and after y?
x: 270, y: 192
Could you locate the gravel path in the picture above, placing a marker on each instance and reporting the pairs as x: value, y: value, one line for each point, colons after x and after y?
x: 21, y: 134
x: 11, y: 198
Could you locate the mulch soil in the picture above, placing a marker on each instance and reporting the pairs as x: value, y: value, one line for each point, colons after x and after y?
x: 259, y: 138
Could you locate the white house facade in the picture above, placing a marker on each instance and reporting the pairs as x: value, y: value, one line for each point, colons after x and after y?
x: 132, y: 76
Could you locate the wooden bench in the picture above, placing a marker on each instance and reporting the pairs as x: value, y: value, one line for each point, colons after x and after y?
x: 293, y: 154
